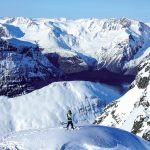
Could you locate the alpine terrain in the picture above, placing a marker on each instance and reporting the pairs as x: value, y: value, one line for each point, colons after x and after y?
x: 132, y: 111
x: 85, y: 99
x: 50, y: 66
x: 118, y: 45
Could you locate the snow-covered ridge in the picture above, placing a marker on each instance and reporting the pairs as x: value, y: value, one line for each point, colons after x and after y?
x: 48, y: 106
x: 114, y: 44
x: 85, y: 138
x: 132, y: 111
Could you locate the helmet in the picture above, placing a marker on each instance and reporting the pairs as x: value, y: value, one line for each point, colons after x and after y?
x: 69, y: 111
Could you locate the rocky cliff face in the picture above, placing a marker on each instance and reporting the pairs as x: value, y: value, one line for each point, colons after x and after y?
x: 68, y: 62
x: 132, y: 111
x: 23, y: 69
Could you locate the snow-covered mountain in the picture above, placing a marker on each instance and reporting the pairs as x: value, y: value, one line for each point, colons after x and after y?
x: 118, y: 45
x: 132, y: 111
x: 36, y: 52
x: 23, y: 68
x: 85, y: 138
x: 47, y: 107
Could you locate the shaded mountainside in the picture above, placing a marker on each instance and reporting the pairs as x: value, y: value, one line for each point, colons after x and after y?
x: 24, y: 69
x: 118, y: 45
x: 132, y: 111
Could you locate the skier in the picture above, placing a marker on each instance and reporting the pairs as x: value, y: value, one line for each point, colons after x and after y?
x: 69, y: 118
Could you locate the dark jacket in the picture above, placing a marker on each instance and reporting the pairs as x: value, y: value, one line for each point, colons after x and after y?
x: 69, y: 116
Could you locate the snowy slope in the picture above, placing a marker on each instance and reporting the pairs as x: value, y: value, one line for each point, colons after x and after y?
x: 115, y: 44
x: 132, y: 111
x: 48, y: 106
x: 86, y: 138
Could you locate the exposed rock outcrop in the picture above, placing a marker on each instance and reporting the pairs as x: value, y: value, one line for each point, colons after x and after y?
x: 132, y: 111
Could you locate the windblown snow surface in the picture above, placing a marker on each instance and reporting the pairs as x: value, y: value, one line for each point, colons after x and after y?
x: 85, y: 138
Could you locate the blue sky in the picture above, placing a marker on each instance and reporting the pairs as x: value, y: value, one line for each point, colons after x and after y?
x: 74, y: 9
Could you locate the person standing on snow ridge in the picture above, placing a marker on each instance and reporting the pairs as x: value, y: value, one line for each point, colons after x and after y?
x: 69, y: 118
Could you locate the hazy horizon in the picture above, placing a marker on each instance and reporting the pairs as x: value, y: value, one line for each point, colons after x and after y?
x: 101, y: 9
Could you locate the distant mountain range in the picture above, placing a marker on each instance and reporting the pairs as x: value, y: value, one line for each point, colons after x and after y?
x: 48, y: 50
x: 118, y: 45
